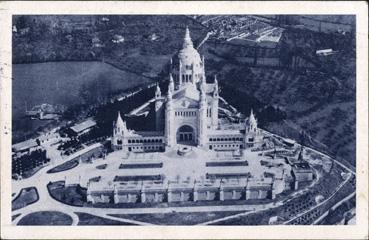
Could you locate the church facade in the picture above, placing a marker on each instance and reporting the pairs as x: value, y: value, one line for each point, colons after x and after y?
x: 188, y: 113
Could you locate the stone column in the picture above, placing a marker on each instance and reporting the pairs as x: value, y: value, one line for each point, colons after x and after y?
x: 195, y: 195
x: 182, y: 196
x: 221, y: 194
x: 259, y: 193
x: 207, y: 195
x: 233, y: 194
x: 156, y: 197
x: 169, y: 195
x: 143, y: 196
x: 247, y: 194
x: 116, y: 197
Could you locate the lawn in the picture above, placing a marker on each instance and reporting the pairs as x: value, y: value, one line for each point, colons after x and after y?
x: 71, y: 195
x: 46, y: 218
x: 138, y: 178
x: 31, y: 172
x: 222, y: 164
x: 142, y: 165
x: 102, y: 166
x: 65, y: 166
x: 15, y: 216
x: 88, y: 219
x: 26, y: 197
x: 177, y: 218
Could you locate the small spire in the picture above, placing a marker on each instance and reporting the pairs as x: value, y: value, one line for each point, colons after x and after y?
x: 158, y: 91
x: 215, y: 80
x: 171, y: 82
x: 187, y: 39
x: 202, y: 93
x: 169, y: 94
x: 120, y: 123
x: 252, y: 119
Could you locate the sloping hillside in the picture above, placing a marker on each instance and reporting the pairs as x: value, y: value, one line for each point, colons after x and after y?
x: 318, y: 101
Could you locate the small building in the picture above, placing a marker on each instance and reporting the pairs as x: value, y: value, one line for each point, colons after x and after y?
x: 301, y: 172
x: 25, y: 146
x: 82, y: 128
x: 289, y: 142
x: 325, y: 52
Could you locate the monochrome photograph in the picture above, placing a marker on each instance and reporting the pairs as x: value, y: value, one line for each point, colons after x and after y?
x: 183, y: 120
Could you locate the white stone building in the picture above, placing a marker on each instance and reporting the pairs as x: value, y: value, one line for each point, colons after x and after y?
x: 188, y: 113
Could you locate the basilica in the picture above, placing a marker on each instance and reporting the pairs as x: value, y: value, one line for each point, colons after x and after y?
x: 188, y: 113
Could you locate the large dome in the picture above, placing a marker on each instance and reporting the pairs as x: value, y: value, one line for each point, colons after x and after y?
x: 188, y: 55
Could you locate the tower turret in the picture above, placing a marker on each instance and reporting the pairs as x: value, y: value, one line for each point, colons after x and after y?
x: 171, y: 83
x: 119, y: 132
x: 159, y: 101
x: 202, y: 135
x: 157, y: 92
x: 253, y: 124
x: 215, y: 105
x: 120, y: 125
x: 169, y: 121
x: 203, y: 77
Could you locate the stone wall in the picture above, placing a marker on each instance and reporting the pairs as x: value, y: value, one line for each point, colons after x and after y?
x: 187, y: 192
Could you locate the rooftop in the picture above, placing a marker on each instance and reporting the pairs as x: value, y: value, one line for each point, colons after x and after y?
x: 24, y: 145
x: 301, y: 166
x: 83, y: 126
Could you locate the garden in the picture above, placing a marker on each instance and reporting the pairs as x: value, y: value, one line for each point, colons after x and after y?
x: 72, y: 195
x: 65, y: 166
x: 230, y: 164
x: 88, y: 219
x: 141, y: 165
x: 26, y: 197
x: 46, y: 218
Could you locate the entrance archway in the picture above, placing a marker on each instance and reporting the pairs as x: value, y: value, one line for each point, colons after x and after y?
x: 186, y: 135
